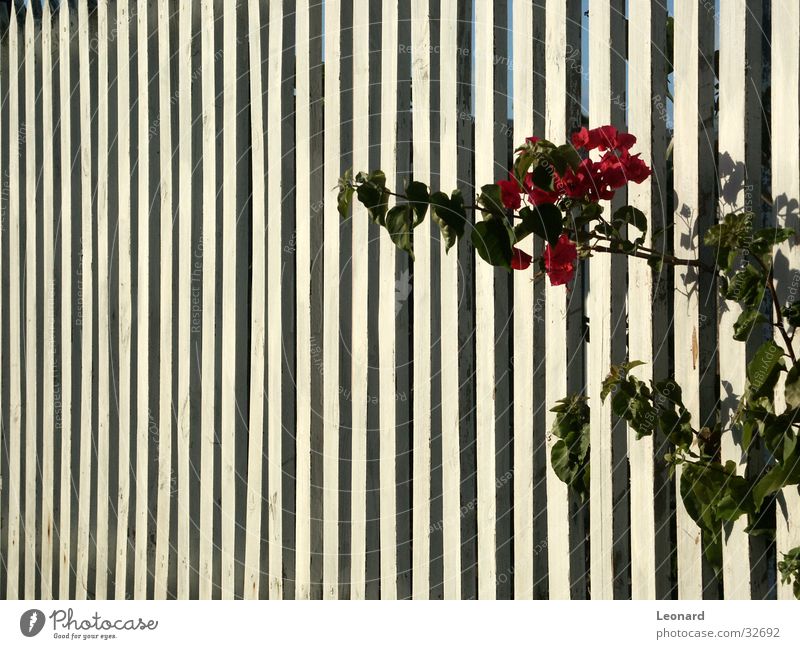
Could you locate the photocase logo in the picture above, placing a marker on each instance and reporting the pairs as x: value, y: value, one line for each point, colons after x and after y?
x: 31, y: 622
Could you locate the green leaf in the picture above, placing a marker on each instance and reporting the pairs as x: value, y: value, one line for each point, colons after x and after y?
x: 400, y: 227
x: 543, y: 220
x: 792, y: 313
x: 492, y: 241
x: 417, y: 195
x: 542, y: 176
x: 730, y: 236
x: 746, y: 287
x: 629, y: 214
x: 792, y: 387
x: 744, y: 324
x: 449, y: 215
x: 373, y: 195
x: 345, y: 196
x: 763, y: 370
x: 489, y: 199
x: 778, y: 477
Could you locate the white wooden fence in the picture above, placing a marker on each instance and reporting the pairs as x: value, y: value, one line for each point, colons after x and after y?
x: 213, y: 387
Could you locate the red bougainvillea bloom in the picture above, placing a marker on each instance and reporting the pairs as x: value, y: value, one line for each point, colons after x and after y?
x: 520, y: 259
x: 636, y: 169
x: 603, y: 138
x: 559, y: 261
x: 537, y: 196
x: 510, y: 193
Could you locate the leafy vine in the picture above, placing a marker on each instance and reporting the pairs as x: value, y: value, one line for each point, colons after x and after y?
x: 553, y: 192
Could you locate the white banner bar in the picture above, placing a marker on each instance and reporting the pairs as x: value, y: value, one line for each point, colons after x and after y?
x: 401, y: 624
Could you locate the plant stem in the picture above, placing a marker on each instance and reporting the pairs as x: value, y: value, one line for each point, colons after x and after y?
x: 669, y: 259
x: 777, y: 307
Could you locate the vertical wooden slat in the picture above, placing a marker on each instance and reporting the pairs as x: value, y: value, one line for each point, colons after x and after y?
x: 694, y: 365
x: 228, y: 373
x: 386, y: 307
x: 330, y: 341
x: 484, y: 288
x: 523, y: 327
x: 739, y: 169
x: 420, y: 80
x: 607, y: 326
x: 304, y: 256
x: 448, y: 177
x: 252, y: 566
x: 86, y: 308
x: 562, y: 40
x: 143, y: 309
x: 125, y: 296
x: 48, y: 270
x: 185, y: 277
x: 14, y: 308
x: 103, y: 307
x: 647, y: 331
x: 360, y: 341
x: 165, y: 308
x: 274, y: 271
x: 65, y: 488
x: 209, y: 302
x: 786, y: 189
x: 31, y: 320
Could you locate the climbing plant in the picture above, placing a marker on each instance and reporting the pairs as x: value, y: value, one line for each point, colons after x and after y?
x: 553, y: 192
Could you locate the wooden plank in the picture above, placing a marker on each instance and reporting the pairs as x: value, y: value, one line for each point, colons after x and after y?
x: 739, y: 171
x: 420, y: 81
x: 3, y: 430
x: 48, y: 329
x: 185, y: 276
x: 164, y: 479
x: 252, y: 567
x: 125, y: 296
x: 304, y: 255
x: 274, y: 272
x: 786, y: 189
x: 330, y: 340
x: 15, y: 335
x: 484, y: 291
x: 605, y: 307
x: 65, y: 207
x: 386, y: 308
x: 143, y: 310
x: 562, y: 38
x: 522, y: 34
x: 448, y: 177
x: 228, y: 369
x: 647, y: 333
x: 694, y: 319
x: 359, y: 347
x: 86, y: 309
x: 31, y: 320
x: 209, y: 302
x: 103, y: 308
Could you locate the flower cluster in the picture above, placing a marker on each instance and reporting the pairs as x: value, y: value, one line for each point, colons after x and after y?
x: 581, y: 181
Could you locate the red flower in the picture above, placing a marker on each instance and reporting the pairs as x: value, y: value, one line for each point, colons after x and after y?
x: 603, y: 137
x: 510, y: 193
x: 625, y: 141
x: 577, y: 184
x: 520, y: 259
x: 537, y: 196
x: 559, y: 261
x: 636, y: 169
